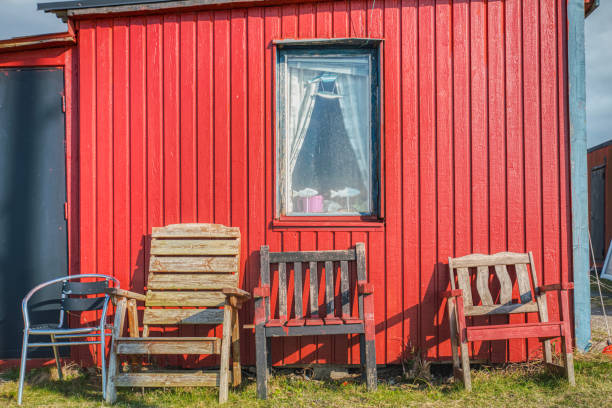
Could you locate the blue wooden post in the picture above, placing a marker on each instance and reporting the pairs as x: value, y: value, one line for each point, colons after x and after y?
x: 578, y: 163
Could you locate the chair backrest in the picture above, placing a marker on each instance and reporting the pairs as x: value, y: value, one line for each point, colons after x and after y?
x: 481, y: 271
x: 189, y: 266
x: 73, y: 295
x: 312, y: 261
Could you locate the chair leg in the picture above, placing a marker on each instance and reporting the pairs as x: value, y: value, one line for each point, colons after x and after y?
x: 465, y: 366
x: 261, y: 359
x: 237, y: 370
x: 569, y: 361
x: 103, y: 360
x: 368, y: 346
x: 225, y: 353
x: 547, y: 351
x: 452, y: 324
x: 22, y: 368
x: 58, y: 363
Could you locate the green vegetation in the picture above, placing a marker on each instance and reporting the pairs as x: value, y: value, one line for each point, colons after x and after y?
x: 515, y: 385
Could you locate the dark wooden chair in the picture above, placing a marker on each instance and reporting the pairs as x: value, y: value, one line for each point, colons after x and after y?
x: 300, y: 324
x: 476, y: 269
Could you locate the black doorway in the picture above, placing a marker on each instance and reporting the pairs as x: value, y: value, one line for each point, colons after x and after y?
x: 33, y: 231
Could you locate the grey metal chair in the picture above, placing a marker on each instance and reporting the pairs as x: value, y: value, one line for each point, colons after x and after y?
x: 72, y: 300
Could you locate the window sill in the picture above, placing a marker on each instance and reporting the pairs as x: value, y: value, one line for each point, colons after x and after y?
x: 330, y: 223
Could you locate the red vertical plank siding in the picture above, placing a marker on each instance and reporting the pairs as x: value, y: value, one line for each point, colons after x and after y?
x: 188, y: 126
x: 497, y: 150
x: 444, y: 160
x: 514, y: 144
x: 479, y: 136
x: 549, y: 272
x: 393, y: 173
x: 410, y: 176
x: 533, y: 140
x: 427, y: 157
x: 104, y: 146
x: 239, y: 141
x: 256, y: 153
x: 205, y: 117
x: 177, y: 123
x: 87, y: 152
x: 121, y: 149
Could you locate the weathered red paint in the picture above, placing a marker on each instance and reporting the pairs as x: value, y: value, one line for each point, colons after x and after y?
x: 176, y: 120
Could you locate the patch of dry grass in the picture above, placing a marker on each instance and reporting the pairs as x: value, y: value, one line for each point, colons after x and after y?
x: 515, y: 385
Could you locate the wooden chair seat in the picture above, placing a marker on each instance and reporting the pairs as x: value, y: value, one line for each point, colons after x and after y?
x: 475, y: 274
x: 194, y: 266
x: 313, y: 322
x: 333, y: 266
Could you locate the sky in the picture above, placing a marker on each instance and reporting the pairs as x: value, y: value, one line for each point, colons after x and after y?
x: 20, y: 18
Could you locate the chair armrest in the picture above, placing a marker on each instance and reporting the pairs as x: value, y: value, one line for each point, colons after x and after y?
x: 452, y: 293
x: 115, y: 292
x: 365, y: 288
x: 239, y: 293
x: 557, y: 286
x: 261, y: 292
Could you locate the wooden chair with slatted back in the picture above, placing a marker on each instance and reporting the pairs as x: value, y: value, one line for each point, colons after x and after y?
x: 341, y: 320
x: 193, y: 279
x: 479, y: 271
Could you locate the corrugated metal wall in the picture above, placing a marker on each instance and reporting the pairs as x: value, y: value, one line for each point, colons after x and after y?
x: 177, y: 123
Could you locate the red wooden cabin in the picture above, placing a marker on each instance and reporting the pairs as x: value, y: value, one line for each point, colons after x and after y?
x: 173, y: 112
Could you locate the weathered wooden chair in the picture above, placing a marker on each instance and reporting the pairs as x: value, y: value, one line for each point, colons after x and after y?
x: 194, y: 266
x: 301, y: 325
x: 532, y: 298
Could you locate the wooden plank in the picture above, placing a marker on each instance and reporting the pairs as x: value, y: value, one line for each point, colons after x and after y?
x: 191, y: 281
x: 501, y: 258
x: 314, y: 290
x: 297, y: 289
x: 182, y: 264
x: 182, y: 316
x: 212, y: 298
x: 265, y: 274
x: 312, y: 256
x: 196, y: 231
x: 329, y: 288
x: 505, y: 291
x: 161, y: 345
x: 168, y: 379
x: 482, y: 285
x: 194, y: 247
x: 313, y: 330
x: 344, y: 289
x: 514, y: 331
x: 282, y: 291
x: 522, y: 277
x: 463, y: 280
x: 501, y: 309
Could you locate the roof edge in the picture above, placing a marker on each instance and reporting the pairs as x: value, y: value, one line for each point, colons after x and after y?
x: 37, y: 41
x: 599, y: 146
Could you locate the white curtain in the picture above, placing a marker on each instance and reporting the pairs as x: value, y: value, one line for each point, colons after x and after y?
x: 354, y: 104
x: 352, y: 84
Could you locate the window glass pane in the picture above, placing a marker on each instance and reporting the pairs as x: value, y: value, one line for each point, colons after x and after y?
x: 327, y: 146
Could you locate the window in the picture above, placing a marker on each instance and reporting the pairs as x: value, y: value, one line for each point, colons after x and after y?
x: 328, y: 131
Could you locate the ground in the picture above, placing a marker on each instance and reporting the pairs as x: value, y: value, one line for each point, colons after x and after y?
x: 514, y: 385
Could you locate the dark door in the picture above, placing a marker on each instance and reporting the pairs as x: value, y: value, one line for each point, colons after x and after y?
x: 33, y: 236
x: 597, y: 217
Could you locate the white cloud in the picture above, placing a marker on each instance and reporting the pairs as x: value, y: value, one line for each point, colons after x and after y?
x: 20, y: 18
x: 598, y: 32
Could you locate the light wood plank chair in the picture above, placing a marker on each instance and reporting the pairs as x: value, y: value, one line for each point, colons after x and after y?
x: 477, y: 269
x: 194, y: 266
x: 335, y: 321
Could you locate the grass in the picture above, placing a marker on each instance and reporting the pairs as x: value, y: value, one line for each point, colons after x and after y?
x: 517, y: 385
